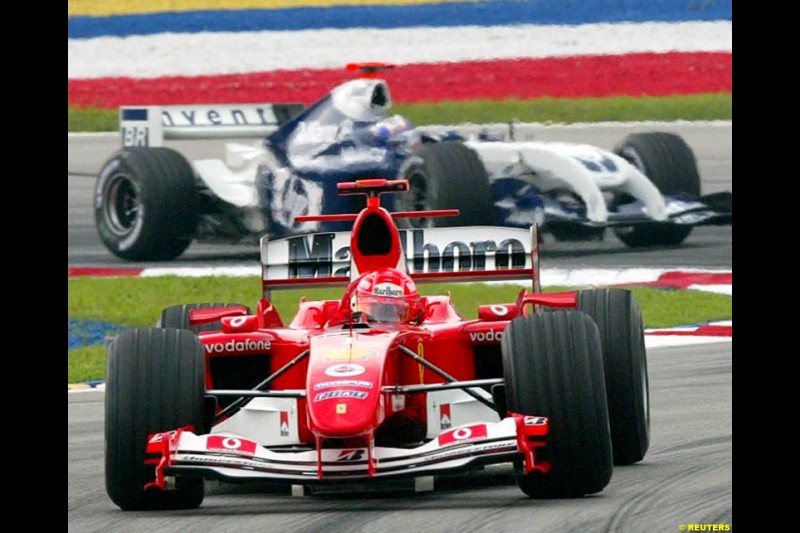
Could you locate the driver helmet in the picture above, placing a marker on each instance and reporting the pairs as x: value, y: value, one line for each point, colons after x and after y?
x: 392, y: 128
x: 387, y: 295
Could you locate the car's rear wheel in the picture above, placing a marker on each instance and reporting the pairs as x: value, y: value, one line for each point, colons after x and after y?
x: 155, y: 382
x: 670, y: 164
x: 446, y: 175
x: 619, y: 319
x: 553, y: 367
x: 177, y: 316
x: 146, y: 204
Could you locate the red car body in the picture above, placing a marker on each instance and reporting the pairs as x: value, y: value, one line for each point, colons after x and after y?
x: 328, y: 399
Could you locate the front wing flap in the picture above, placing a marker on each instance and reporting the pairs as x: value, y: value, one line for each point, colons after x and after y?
x: 710, y: 210
x: 232, y: 458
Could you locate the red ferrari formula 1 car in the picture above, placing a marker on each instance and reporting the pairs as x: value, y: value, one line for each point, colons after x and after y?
x: 382, y: 385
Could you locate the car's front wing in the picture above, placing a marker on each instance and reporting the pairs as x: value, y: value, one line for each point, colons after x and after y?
x: 232, y: 458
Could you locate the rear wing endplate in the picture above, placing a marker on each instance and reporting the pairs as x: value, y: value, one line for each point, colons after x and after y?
x: 151, y: 125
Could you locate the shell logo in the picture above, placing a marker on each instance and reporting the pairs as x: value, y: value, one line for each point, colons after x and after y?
x: 348, y: 353
x: 345, y: 370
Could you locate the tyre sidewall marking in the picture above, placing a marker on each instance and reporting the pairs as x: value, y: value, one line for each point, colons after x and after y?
x: 128, y: 241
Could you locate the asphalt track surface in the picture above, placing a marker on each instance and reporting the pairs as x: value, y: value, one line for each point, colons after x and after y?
x: 685, y: 479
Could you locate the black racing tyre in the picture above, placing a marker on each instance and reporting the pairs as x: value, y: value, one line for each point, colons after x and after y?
x: 571, y: 232
x: 619, y: 319
x: 553, y: 366
x: 670, y: 164
x: 155, y: 382
x: 146, y: 204
x: 446, y: 175
x: 177, y: 316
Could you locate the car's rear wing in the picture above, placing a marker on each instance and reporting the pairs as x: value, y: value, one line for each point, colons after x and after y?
x: 151, y: 125
x: 469, y: 253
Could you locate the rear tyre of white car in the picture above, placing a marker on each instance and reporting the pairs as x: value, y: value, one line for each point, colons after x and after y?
x: 177, y: 316
x: 155, y: 382
x: 146, y: 204
x: 446, y: 175
x: 553, y: 367
x: 670, y: 164
x: 619, y: 319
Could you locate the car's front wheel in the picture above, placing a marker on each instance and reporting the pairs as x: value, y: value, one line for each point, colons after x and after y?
x: 155, y: 382
x: 553, y: 367
x: 669, y: 163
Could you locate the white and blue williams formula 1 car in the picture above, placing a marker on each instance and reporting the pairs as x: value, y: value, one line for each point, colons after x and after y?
x: 151, y: 202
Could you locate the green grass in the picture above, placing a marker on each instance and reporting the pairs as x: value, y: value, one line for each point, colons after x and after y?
x: 91, y: 119
x: 139, y: 301
x: 560, y: 110
x: 569, y: 110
